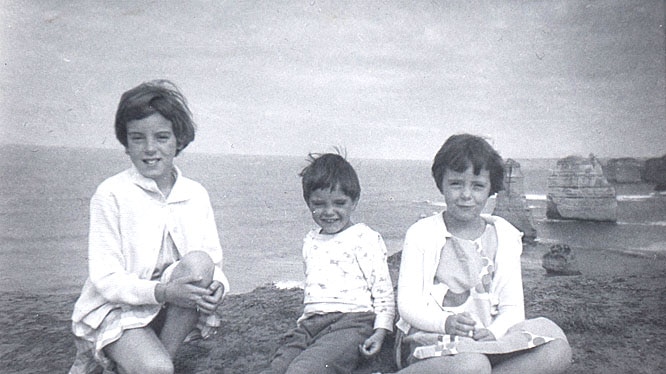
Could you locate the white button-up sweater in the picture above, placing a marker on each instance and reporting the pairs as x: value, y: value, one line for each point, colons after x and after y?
x: 128, y: 218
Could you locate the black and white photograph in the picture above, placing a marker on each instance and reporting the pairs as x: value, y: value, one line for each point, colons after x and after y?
x: 308, y: 186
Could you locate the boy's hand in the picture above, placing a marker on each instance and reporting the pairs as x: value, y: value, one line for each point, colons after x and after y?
x: 372, y: 345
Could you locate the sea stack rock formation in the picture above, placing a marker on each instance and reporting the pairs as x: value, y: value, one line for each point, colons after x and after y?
x: 511, y: 203
x: 655, y: 172
x: 577, y: 189
x: 560, y: 260
x: 624, y: 170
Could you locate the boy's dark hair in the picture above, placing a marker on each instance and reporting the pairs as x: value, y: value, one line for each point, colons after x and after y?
x: 157, y: 96
x: 464, y: 150
x: 330, y: 171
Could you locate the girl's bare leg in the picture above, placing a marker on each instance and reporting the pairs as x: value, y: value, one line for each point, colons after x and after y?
x: 180, y: 321
x: 552, y: 357
x: 140, y: 351
x: 458, y: 364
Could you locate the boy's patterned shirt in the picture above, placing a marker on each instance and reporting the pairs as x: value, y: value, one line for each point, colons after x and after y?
x: 347, y: 272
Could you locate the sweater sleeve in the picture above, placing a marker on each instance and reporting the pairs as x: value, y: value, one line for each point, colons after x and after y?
x: 375, y: 269
x: 106, y: 260
x: 416, y: 303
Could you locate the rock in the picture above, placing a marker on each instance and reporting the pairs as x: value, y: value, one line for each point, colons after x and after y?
x: 624, y: 170
x: 578, y: 189
x: 560, y: 260
x: 655, y: 170
x: 511, y: 203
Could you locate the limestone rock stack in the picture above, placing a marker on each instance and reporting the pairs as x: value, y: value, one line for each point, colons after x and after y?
x: 578, y: 189
x: 655, y: 172
x: 560, y: 260
x: 624, y: 170
x: 511, y: 203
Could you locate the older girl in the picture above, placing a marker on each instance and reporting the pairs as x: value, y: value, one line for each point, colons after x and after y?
x: 460, y: 292
x: 155, y: 261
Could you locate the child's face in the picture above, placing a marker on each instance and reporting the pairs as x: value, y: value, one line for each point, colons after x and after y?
x: 465, y: 194
x: 331, y: 209
x: 152, y: 145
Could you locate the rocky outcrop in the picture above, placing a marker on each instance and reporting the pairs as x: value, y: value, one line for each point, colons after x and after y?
x: 578, y: 189
x: 624, y: 170
x: 511, y: 203
x: 655, y: 171
x: 560, y: 260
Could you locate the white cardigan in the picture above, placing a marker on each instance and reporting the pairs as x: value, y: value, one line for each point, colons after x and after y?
x: 417, y: 303
x: 128, y: 216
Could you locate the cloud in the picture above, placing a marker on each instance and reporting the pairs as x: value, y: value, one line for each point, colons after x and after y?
x: 541, y: 78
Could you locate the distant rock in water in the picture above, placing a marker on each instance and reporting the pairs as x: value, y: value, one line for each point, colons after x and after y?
x: 560, y: 260
x: 578, y: 189
x: 511, y: 203
x: 624, y: 170
x: 655, y: 171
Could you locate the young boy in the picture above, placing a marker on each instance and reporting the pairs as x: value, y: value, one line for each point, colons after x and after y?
x: 348, y: 304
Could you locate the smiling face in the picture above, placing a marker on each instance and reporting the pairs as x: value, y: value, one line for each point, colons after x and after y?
x: 331, y: 209
x: 152, y: 145
x: 465, y: 194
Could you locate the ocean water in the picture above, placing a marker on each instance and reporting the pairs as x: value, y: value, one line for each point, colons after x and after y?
x: 261, y: 216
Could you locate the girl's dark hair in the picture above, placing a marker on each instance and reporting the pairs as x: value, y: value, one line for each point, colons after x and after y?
x: 330, y: 171
x: 157, y: 96
x: 462, y: 151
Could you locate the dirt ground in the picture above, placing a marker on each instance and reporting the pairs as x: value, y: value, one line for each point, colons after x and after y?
x: 612, y: 314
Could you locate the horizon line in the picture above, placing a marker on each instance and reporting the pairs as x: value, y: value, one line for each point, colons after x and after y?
x: 203, y: 152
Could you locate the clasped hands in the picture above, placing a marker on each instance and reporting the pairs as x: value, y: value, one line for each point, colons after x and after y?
x: 184, y: 292
x: 463, y: 324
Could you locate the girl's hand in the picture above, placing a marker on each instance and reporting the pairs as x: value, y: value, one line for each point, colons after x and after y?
x: 208, y: 304
x: 483, y: 335
x: 181, y: 292
x: 372, y: 345
x: 460, y: 324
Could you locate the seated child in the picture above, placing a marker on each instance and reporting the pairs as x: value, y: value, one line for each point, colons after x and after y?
x: 154, y: 255
x: 348, y: 304
x: 460, y: 292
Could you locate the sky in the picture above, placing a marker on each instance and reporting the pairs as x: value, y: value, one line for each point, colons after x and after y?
x: 381, y: 79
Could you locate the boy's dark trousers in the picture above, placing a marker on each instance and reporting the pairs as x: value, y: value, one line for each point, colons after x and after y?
x: 323, y: 343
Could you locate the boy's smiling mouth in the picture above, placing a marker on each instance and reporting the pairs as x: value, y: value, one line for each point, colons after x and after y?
x: 151, y: 161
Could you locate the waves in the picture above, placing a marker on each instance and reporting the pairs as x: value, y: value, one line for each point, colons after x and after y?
x: 288, y: 284
x: 637, y: 197
x: 540, y: 197
x: 618, y: 223
x: 657, y: 223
